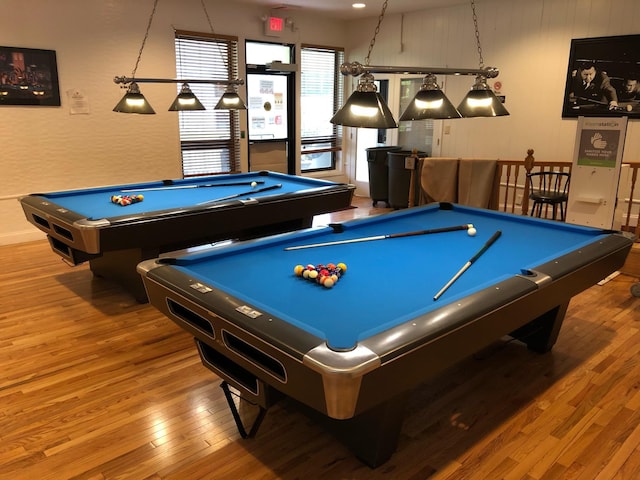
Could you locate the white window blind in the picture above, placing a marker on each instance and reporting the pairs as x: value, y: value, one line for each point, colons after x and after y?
x: 209, y: 138
x: 321, y: 95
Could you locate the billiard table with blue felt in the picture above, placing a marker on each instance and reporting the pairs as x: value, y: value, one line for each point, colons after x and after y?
x: 85, y: 225
x: 352, y: 353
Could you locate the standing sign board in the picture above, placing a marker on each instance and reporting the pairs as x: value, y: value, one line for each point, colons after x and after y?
x: 595, y: 173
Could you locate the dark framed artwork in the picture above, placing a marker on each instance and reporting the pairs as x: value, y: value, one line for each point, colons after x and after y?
x: 28, y: 77
x: 603, y: 78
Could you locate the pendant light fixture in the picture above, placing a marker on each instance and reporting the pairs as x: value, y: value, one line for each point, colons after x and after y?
x: 366, y: 108
x: 480, y: 101
x: 135, y: 102
x: 429, y: 102
x: 186, y: 100
x: 230, y: 100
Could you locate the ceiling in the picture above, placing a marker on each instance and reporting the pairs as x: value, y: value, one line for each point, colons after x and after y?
x: 343, y: 8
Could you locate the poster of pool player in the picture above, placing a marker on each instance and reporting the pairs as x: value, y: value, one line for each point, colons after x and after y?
x: 595, y: 173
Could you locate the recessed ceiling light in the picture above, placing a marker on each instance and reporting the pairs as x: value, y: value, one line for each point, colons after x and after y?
x: 359, y: 5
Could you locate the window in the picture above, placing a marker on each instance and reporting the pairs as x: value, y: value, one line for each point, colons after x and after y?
x: 320, y: 97
x: 209, y: 138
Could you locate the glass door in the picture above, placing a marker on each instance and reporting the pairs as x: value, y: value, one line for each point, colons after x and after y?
x: 270, y: 108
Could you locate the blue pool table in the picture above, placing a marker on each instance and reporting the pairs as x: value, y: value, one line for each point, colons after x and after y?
x: 85, y: 225
x: 351, y: 354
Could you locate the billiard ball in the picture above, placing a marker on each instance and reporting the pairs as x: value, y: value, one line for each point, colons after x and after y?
x: 253, y: 184
x: 471, y: 231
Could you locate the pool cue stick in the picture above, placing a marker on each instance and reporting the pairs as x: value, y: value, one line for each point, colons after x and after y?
x: 178, y: 187
x: 490, y: 242
x: 229, y: 197
x: 384, y: 237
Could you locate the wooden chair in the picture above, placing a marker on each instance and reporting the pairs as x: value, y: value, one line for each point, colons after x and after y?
x: 549, y: 188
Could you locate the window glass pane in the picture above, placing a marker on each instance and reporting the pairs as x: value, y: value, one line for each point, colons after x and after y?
x: 317, y: 160
x: 257, y: 52
x: 267, y: 104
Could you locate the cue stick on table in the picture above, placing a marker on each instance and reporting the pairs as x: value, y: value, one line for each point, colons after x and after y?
x: 490, y: 242
x: 384, y: 237
x: 236, y: 195
x: 178, y: 187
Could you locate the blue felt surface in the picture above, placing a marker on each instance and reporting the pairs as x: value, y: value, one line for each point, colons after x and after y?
x: 388, y: 281
x: 96, y: 203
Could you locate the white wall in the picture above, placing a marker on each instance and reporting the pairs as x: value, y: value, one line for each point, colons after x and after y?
x: 529, y: 41
x: 47, y: 149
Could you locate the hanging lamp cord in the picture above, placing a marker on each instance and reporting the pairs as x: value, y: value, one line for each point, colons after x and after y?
x: 475, y: 25
x: 144, y: 40
x: 375, y: 34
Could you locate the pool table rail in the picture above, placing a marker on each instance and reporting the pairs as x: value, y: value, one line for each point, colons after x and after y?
x: 114, y: 239
x: 360, y: 392
x: 529, y: 307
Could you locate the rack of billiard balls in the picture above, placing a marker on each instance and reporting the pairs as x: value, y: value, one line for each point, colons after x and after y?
x: 125, y: 200
x: 325, y: 275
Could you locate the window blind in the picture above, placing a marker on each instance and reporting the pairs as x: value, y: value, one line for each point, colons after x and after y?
x: 321, y: 95
x: 209, y: 138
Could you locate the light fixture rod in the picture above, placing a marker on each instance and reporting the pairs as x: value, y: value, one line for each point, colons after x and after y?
x: 356, y: 68
x: 128, y: 80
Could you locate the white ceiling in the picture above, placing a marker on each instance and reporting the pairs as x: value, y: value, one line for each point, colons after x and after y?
x: 343, y: 8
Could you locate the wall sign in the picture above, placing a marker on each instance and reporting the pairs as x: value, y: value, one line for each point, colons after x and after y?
x: 595, y: 173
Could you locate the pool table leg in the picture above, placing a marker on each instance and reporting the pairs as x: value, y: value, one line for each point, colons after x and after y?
x: 372, y: 435
x: 542, y: 332
x: 262, y: 412
x: 120, y: 266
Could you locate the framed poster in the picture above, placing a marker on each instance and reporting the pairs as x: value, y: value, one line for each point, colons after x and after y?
x: 28, y: 77
x: 603, y: 77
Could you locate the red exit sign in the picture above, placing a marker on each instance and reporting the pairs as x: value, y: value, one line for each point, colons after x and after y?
x: 274, y: 26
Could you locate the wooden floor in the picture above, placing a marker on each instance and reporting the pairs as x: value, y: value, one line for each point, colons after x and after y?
x: 96, y: 386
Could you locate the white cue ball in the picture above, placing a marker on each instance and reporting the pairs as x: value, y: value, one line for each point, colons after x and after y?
x: 471, y: 231
x: 253, y: 184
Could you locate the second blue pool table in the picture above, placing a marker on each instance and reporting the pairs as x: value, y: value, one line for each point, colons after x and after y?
x: 352, y: 353
x: 85, y: 225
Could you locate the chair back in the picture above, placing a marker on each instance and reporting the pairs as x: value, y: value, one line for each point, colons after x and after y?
x: 549, y: 185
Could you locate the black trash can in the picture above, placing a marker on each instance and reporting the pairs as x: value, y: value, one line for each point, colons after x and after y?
x: 379, y: 173
x: 400, y: 177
